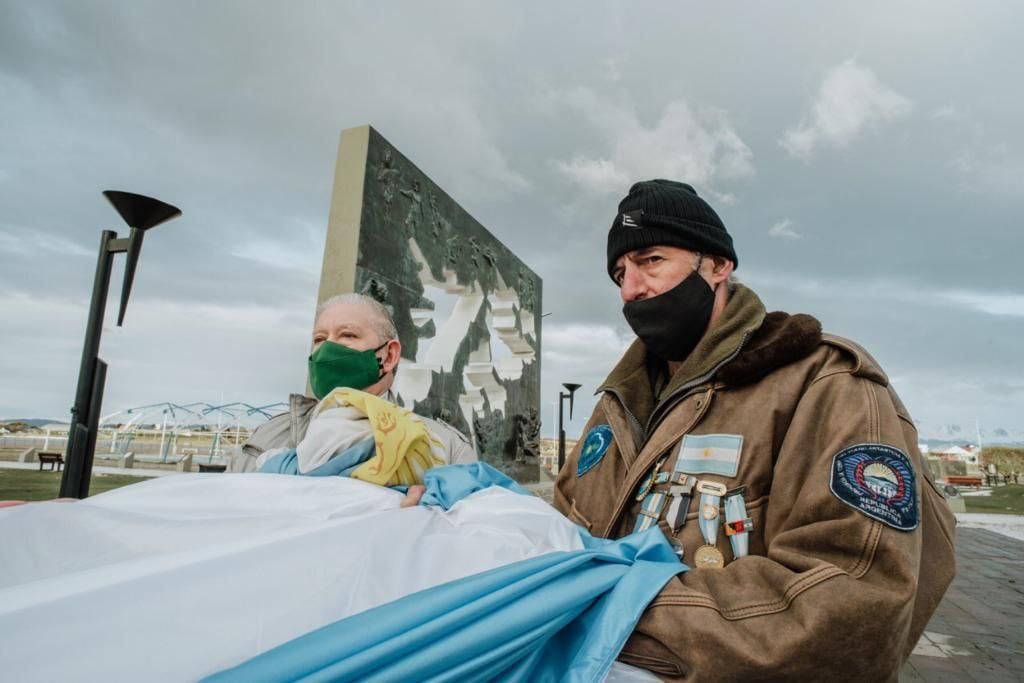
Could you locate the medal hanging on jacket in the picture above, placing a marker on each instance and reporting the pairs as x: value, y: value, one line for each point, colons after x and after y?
x: 648, y: 482
x: 708, y: 556
x: 737, y: 525
x: 653, y: 501
x: 650, y: 511
x: 681, y: 491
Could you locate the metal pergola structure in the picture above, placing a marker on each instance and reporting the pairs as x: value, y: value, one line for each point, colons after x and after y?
x: 175, y: 419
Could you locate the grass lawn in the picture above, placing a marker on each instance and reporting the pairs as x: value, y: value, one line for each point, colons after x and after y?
x: 1008, y: 500
x: 36, y: 485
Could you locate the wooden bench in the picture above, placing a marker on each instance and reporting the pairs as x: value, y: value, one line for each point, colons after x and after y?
x: 958, y: 480
x: 53, y: 458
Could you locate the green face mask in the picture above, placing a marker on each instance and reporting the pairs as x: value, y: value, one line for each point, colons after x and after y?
x: 335, y: 365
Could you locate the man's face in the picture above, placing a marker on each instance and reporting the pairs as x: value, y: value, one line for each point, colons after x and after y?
x: 646, y: 273
x: 348, y: 324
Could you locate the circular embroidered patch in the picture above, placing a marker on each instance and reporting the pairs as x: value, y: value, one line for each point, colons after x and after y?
x: 595, y: 445
x: 878, y: 480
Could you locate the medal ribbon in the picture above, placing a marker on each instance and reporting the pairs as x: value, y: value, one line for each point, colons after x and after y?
x: 650, y: 511
x: 707, y: 519
x: 655, y: 476
x: 737, y: 525
x: 681, y: 491
x: 653, y: 501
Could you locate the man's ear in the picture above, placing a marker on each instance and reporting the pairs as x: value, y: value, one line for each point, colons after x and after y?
x: 392, y: 354
x: 721, y: 270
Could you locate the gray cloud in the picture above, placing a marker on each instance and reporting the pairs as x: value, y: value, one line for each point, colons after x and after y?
x: 850, y: 100
x: 536, y: 119
x: 784, y: 229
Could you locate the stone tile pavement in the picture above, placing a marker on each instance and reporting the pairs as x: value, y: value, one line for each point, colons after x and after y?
x: 977, y: 634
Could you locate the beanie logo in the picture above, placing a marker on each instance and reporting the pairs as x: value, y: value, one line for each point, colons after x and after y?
x: 631, y: 219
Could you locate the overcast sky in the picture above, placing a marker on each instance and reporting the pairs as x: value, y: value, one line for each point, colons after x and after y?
x: 868, y: 161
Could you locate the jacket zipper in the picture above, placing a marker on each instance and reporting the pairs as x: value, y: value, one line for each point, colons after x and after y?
x: 689, y: 385
x: 665, y: 405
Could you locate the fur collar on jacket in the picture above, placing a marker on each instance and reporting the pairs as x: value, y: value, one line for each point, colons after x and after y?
x: 782, y: 339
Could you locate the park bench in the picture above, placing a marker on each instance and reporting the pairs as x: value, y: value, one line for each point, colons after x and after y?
x: 959, y: 480
x: 212, y: 468
x: 53, y: 458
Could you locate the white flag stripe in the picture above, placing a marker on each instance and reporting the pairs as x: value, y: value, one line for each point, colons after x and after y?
x: 710, y: 454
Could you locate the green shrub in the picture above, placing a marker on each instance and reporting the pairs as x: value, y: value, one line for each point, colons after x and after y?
x: 1004, y: 458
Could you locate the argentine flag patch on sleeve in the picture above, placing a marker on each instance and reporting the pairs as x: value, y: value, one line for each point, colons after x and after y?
x: 710, y: 454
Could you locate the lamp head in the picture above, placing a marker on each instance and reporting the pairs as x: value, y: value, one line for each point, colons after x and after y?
x: 140, y: 213
x: 572, y: 387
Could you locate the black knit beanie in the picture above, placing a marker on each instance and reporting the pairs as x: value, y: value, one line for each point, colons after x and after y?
x: 667, y: 212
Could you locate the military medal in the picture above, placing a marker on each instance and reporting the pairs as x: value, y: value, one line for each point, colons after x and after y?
x: 737, y: 525
x: 650, y: 511
x: 708, y: 556
x: 681, y: 491
x: 645, y: 487
x: 655, y: 476
x: 653, y: 501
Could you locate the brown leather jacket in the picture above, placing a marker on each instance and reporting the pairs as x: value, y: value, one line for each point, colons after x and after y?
x: 826, y: 590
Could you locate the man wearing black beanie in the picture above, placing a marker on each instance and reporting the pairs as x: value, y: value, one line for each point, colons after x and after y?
x: 776, y: 459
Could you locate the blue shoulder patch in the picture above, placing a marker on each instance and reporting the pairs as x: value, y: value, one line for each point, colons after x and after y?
x: 879, y: 481
x: 595, y: 445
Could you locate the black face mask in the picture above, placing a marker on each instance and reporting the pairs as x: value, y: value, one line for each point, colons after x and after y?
x: 671, y: 324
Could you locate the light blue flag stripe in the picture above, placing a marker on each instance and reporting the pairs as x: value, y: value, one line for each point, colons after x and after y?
x: 728, y: 441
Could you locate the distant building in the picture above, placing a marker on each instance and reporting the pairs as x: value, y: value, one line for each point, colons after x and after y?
x: 966, y: 453
x: 56, y: 429
x: 549, y: 454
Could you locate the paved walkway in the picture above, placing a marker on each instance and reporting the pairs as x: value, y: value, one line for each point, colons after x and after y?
x: 977, y: 634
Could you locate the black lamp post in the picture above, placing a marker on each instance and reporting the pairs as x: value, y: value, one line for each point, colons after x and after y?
x: 572, y: 387
x: 140, y: 213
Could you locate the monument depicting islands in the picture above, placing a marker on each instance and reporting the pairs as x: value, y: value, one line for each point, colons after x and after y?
x: 393, y: 234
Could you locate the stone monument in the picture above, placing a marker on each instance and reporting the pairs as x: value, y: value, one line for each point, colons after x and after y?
x: 467, y: 309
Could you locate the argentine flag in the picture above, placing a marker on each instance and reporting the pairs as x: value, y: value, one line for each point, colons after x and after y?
x: 268, y: 577
x: 710, y: 454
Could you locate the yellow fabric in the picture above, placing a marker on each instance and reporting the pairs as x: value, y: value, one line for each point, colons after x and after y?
x: 405, y: 447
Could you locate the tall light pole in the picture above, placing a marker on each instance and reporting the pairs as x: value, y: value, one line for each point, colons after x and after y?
x: 140, y: 213
x: 572, y: 387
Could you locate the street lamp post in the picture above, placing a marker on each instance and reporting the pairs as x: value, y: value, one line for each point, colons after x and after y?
x: 140, y: 213
x: 572, y: 387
